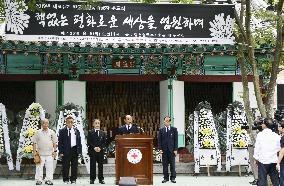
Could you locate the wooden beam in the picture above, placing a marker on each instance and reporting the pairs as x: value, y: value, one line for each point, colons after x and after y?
x: 212, y: 78
x: 112, y: 77
x: 32, y: 77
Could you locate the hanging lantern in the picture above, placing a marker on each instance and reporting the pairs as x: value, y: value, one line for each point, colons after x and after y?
x: 71, y: 44
x: 115, y: 45
x: 60, y: 44
x: 49, y: 43
x: 94, y: 45
x: 126, y: 45
x: 82, y: 44
x: 104, y: 45
x: 158, y: 45
x: 147, y: 45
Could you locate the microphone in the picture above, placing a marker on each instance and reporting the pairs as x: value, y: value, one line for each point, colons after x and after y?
x: 141, y: 130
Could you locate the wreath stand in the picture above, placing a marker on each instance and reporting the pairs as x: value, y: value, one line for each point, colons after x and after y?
x: 235, y: 156
x: 28, y: 166
x: 205, y: 157
x: 3, y: 172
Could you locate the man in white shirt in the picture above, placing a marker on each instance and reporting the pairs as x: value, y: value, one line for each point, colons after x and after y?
x: 267, y: 146
x: 45, y: 143
x: 70, y: 148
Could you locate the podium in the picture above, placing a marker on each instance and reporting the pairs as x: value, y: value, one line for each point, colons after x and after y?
x: 134, y: 158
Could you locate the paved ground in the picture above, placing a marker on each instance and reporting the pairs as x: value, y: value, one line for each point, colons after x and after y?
x: 181, y: 181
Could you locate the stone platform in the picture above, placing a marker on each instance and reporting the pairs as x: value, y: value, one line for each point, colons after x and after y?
x: 181, y: 181
x: 109, y: 170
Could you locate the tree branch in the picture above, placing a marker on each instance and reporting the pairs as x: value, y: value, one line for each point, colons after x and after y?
x: 277, y: 59
x: 239, y: 22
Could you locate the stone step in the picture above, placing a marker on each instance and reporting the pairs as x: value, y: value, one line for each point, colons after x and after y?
x: 109, y: 170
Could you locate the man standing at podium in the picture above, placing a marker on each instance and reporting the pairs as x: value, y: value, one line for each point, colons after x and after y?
x: 96, y: 144
x: 168, y: 144
x: 129, y: 127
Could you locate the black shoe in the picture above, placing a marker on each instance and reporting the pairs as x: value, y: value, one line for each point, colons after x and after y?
x: 102, y: 182
x: 73, y: 182
x: 48, y: 182
x: 66, y: 182
x: 164, y: 181
x: 173, y: 180
x: 92, y: 181
x: 38, y: 183
x: 254, y: 182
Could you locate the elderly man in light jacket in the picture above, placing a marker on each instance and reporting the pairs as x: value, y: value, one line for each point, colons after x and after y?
x: 45, y: 143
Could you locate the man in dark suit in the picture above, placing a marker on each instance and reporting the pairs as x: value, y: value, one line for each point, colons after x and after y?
x: 129, y: 127
x: 168, y: 144
x: 70, y: 148
x: 96, y: 145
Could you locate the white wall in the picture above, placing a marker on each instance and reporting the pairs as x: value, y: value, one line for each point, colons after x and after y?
x: 2, y: 29
x: 46, y: 95
x: 163, y: 100
x: 238, y: 93
x: 75, y: 92
x: 179, y: 106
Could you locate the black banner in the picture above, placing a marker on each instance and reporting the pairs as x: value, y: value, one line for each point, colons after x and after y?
x: 63, y: 21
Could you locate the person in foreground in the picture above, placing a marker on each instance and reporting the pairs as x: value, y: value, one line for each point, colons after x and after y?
x: 267, y: 145
x: 44, y: 145
x: 129, y: 127
x: 280, y: 162
x: 70, y: 148
x: 168, y: 144
x: 96, y: 145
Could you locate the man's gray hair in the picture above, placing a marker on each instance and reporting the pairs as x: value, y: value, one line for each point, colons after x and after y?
x: 43, y: 120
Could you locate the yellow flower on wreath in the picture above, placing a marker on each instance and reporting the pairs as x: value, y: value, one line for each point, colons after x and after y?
x: 35, y: 113
x: 239, y: 130
x: 206, y: 131
x: 30, y: 132
x: 208, y: 143
x: 28, y: 149
x: 242, y: 143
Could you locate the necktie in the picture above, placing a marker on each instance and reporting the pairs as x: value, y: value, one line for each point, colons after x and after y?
x: 128, y: 127
x: 167, y: 129
x: 69, y: 135
x: 97, y: 131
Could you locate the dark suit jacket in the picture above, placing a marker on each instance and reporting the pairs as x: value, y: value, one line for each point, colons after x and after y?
x: 96, y: 141
x: 64, y: 145
x: 168, y: 140
x: 133, y: 130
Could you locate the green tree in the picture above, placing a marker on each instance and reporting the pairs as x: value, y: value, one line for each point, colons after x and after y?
x: 248, y: 41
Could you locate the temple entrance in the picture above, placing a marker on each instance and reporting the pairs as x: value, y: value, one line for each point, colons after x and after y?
x: 219, y: 95
x: 110, y: 101
x: 18, y: 95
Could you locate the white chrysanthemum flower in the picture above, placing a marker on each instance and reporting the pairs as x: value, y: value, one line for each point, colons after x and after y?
x: 35, y: 106
x: 16, y: 19
x: 221, y: 28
